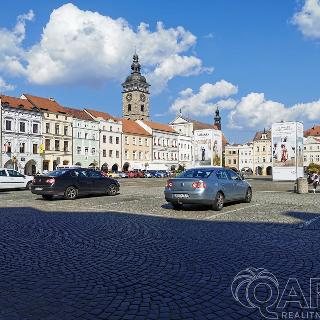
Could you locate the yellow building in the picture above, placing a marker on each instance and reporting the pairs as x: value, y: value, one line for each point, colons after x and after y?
x: 262, y: 153
x: 137, y: 145
x: 57, y: 132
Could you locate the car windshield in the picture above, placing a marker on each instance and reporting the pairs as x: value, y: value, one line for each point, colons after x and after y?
x: 196, y: 173
x: 56, y: 173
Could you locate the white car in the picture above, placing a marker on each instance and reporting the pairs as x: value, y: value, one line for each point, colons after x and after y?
x: 12, y: 179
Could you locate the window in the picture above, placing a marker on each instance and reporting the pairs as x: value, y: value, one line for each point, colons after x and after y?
x: 79, y: 134
x: 110, y: 153
x: 134, y: 155
x: 117, y: 140
x: 65, y: 145
x: 86, y: 135
x: 110, y: 140
x: 104, y: 153
x: 3, y: 173
x: 86, y: 150
x: 14, y: 173
x: 93, y: 151
x: 234, y: 161
x: 57, y: 129
x: 147, y: 155
x: 126, y: 140
x: 22, y: 127
x: 22, y: 147
x: 110, y: 128
x: 35, y: 128
x: 104, y: 139
x: 78, y: 150
x: 8, y: 125
x: 232, y: 175
x: 196, y: 173
x: 126, y: 154
x: 65, y: 131
x: 94, y: 136
x: 47, y: 144
x: 134, y: 141
x: 140, y: 141
x: 117, y: 154
x: 47, y: 127
x: 9, y: 147
x: 34, y: 148
x: 56, y: 145
x: 129, y: 107
x: 146, y: 142
x: 263, y: 148
x: 142, y: 108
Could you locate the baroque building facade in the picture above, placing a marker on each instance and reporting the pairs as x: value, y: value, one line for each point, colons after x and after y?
x: 262, y: 153
x: 21, y: 136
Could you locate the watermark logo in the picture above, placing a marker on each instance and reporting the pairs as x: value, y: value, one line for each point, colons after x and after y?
x: 259, y: 289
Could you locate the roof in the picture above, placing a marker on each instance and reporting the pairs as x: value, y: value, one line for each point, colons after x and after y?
x: 16, y: 102
x: 78, y: 114
x: 132, y: 127
x: 258, y: 135
x: 159, y: 126
x: 45, y: 104
x: 314, y: 131
x: 99, y: 114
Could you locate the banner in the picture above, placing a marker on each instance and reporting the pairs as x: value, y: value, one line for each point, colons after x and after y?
x: 287, y: 150
x: 208, y: 147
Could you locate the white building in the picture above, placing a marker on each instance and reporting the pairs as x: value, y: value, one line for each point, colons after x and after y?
x: 311, y: 153
x: 185, y: 150
x: 164, y: 145
x: 110, y: 140
x: 21, y: 135
x: 245, y: 156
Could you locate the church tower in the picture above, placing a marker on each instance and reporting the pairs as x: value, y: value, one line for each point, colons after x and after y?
x: 217, y: 119
x: 135, y: 94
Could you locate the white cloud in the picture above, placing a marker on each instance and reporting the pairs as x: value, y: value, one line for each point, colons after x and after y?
x: 254, y: 111
x: 5, y: 86
x: 308, y: 19
x: 85, y: 47
x: 205, y: 101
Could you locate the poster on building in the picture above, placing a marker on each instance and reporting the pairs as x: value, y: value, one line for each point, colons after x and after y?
x: 287, y: 151
x: 208, y: 147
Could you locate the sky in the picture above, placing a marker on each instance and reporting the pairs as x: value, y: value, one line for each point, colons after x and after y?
x: 258, y: 61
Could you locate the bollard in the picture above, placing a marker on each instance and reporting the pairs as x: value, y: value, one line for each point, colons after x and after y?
x: 302, y: 185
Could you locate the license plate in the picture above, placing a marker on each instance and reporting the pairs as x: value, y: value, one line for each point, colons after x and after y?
x: 38, y: 189
x: 181, y: 195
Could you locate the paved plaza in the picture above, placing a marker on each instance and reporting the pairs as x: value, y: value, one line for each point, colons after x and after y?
x: 133, y: 257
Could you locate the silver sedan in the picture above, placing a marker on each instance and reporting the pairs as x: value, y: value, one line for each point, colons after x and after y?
x: 212, y: 186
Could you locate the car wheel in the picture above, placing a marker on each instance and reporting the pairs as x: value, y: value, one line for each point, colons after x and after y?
x: 112, y: 190
x: 218, y: 202
x: 71, y: 193
x: 248, y: 197
x: 47, y: 196
x: 28, y: 186
x: 176, y: 206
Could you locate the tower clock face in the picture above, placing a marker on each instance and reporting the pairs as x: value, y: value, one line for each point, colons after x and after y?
x: 142, y: 97
x: 129, y: 96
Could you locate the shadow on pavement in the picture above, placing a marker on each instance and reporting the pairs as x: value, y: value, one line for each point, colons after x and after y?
x: 110, y: 265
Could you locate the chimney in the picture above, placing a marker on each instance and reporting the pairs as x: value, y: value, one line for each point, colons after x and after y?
x: 52, y: 99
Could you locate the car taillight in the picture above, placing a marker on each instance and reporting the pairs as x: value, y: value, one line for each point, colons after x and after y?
x: 169, y: 184
x: 50, y: 181
x: 199, y: 185
x: 33, y: 181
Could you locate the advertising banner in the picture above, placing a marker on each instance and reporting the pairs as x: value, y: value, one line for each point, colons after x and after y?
x: 208, y: 147
x: 287, y: 150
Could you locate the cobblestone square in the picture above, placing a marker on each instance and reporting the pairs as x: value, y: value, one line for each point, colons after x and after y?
x: 133, y: 257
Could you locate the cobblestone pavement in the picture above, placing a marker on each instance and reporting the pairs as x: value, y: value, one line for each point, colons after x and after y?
x: 132, y: 257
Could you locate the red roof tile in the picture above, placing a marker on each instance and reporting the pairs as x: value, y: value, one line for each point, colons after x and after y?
x: 159, y: 126
x: 16, y: 102
x: 100, y: 114
x: 78, y: 114
x: 314, y: 131
x: 132, y: 127
x: 45, y: 104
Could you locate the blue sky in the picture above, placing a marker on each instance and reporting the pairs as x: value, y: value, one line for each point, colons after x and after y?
x: 257, y: 60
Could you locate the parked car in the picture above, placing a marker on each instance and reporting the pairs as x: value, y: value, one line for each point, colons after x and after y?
x: 132, y: 174
x: 147, y: 174
x: 71, y: 183
x: 209, y: 186
x: 139, y: 173
x: 113, y: 174
x: 12, y: 179
x: 123, y: 174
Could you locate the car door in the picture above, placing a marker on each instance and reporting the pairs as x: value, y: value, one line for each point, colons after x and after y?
x: 239, y: 187
x: 97, y: 181
x: 18, y: 180
x: 225, y: 184
x: 5, y: 179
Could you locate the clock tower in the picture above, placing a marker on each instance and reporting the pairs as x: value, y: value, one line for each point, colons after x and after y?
x: 135, y: 94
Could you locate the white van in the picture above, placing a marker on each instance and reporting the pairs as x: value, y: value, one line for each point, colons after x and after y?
x: 12, y: 179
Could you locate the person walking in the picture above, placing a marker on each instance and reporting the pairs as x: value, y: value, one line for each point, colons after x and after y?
x: 315, y: 181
